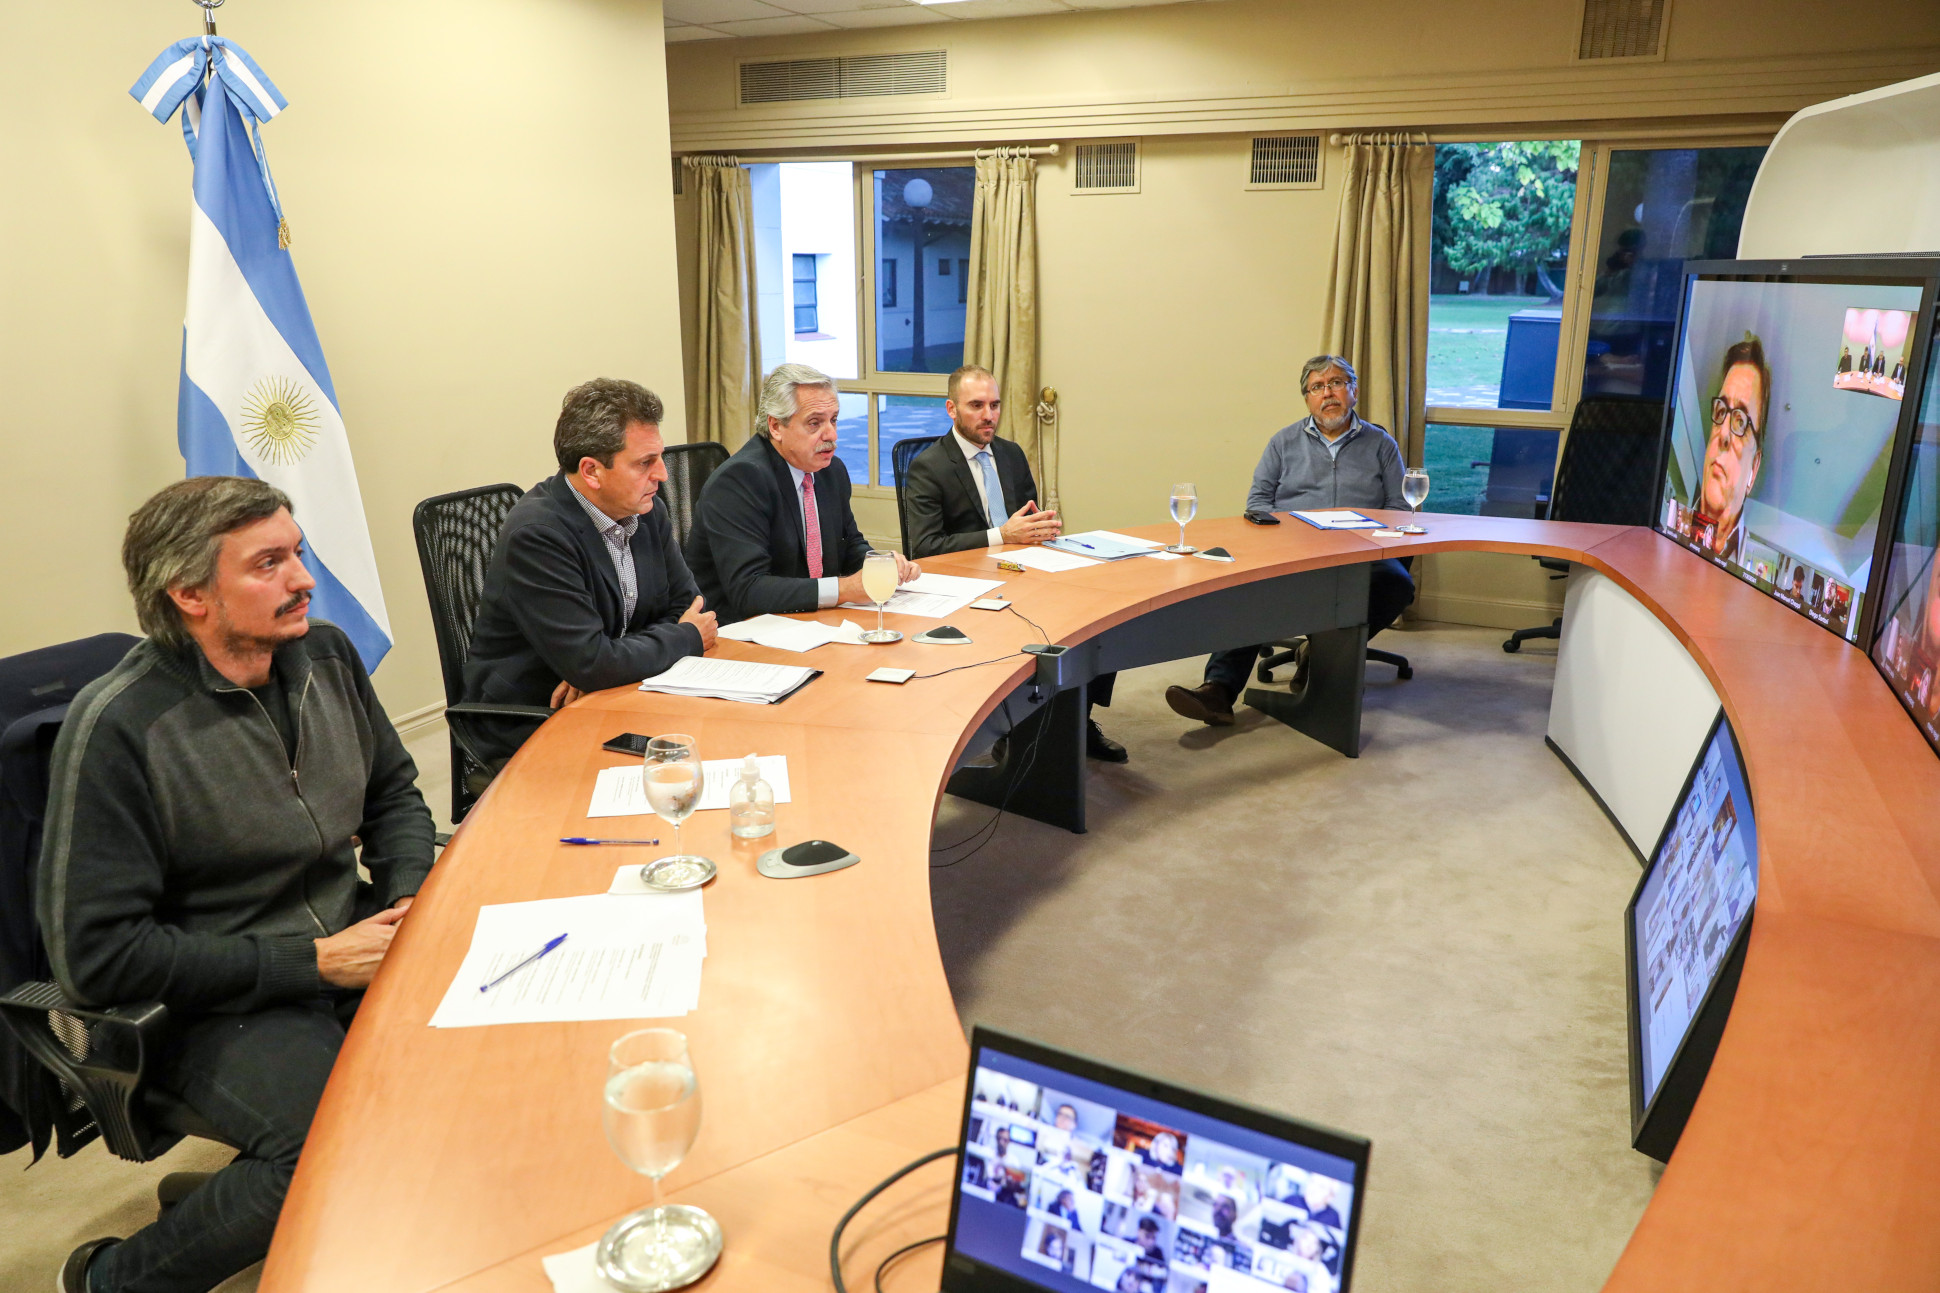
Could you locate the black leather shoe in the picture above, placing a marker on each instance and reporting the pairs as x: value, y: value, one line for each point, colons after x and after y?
x: 74, y: 1271
x: 1207, y: 703
x: 1101, y: 747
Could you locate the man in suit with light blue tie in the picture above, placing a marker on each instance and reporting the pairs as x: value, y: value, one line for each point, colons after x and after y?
x: 973, y: 490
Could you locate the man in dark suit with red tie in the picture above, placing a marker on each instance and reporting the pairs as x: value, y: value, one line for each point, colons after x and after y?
x: 773, y: 531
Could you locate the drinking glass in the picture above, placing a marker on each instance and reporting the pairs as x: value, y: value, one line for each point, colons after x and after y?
x: 672, y: 779
x: 1185, y: 505
x: 1414, y: 488
x: 879, y: 584
x: 652, y: 1112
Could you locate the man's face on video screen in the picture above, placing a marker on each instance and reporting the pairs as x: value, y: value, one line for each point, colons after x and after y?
x: 1730, y: 461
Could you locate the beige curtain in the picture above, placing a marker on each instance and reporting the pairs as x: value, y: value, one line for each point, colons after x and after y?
x: 1377, y: 303
x: 727, y: 363
x: 1000, y: 324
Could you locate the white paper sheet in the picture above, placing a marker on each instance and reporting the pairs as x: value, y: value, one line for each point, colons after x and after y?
x: 623, y: 958
x: 1049, y: 560
x: 792, y: 635
x: 576, y: 1271
x: 742, y: 680
x: 617, y: 791
x: 933, y: 597
x: 1129, y: 540
x: 1338, y: 519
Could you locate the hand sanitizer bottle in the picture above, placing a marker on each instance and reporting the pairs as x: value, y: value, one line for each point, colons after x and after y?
x: 751, y: 803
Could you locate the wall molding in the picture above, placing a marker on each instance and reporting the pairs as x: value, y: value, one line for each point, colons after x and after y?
x: 420, y: 721
x: 1637, y: 93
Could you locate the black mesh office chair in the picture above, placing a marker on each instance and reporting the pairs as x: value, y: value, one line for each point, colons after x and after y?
x: 1278, y: 655
x: 72, y: 1075
x: 456, y: 533
x: 1608, y: 475
x: 688, y: 467
x: 900, y: 457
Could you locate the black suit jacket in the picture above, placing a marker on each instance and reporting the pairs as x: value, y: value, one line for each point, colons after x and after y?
x: 551, y: 605
x: 747, y: 549
x: 941, y: 501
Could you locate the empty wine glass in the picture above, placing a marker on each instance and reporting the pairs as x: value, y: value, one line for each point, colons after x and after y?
x: 672, y: 780
x: 879, y: 576
x: 1185, y: 505
x: 1414, y: 488
x: 652, y: 1112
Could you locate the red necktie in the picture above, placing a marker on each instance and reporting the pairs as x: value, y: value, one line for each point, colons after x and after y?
x: 812, y: 525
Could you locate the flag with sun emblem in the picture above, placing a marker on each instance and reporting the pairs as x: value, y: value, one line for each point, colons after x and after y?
x: 255, y: 396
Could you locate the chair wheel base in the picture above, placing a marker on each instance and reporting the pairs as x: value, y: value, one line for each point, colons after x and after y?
x: 1512, y: 646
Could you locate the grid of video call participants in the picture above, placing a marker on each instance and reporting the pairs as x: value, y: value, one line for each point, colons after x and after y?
x: 1130, y: 1205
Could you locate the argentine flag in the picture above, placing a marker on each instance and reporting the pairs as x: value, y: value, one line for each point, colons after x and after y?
x: 256, y: 398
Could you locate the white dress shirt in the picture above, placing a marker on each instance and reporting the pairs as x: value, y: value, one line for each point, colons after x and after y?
x: 994, y: 536
x: 825, y: 586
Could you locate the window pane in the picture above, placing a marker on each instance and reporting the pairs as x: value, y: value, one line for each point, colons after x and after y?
x: 1661, y: 207
x: 898, y: 417
x: 805, y: 268
x: 922, y: 224
x: 1489, y: 471
x: 1499, y: 248
x: 852, y: 434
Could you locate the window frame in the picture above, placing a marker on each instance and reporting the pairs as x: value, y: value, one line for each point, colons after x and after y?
x: 795, y: 304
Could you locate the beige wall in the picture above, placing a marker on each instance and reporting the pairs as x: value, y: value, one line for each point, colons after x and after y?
x: 479, y: 200
x: 1173, y: 317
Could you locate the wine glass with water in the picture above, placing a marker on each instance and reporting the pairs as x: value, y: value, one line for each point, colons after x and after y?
x: 1414, y: 488
x: 652, y: 1113
x: 879, y: 577
x: 672, y: 779
x: 1185, y: 505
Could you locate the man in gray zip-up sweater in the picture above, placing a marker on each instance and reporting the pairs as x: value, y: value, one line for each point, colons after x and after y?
x: 209, y: 798
x: 1331, y: 458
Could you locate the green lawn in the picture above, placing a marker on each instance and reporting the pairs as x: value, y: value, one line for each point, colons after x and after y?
x: 1453, y: 485
x: 1466, y: 335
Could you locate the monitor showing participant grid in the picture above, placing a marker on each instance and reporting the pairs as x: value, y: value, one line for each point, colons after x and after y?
x: 1076, y: 1176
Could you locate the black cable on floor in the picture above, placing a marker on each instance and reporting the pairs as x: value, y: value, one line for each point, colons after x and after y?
x: 835, y: 1239
x: 989, y: 829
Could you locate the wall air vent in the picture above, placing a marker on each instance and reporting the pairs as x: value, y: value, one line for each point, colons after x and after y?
x: 1106, y: 167
x: 1623, y: 29
x: 849, y: 76
x: 680, y: 178
x: 1285, y: 162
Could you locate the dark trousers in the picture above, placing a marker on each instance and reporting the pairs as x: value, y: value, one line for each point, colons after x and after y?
x: 1389, y: 591
x: 1099, y: 692
x: 257, y: 1079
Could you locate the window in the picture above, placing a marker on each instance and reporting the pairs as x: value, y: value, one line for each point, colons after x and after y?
x: 817, y: 225
x: 805, y: 317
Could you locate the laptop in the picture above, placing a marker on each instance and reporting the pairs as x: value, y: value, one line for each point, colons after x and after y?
x: 1076, y: 1176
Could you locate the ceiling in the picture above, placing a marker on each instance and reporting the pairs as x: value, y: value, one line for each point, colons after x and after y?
x: 724, y: 19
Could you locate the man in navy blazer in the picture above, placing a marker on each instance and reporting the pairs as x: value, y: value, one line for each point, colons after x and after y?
x: 773, y: 531
x: 587, y: 588
x: 973, y: 489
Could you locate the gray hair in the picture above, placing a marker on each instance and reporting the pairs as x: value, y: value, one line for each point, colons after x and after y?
x: 778, y: 392
x: 1320, y: 364
x: 174, y: 539
x: 594, y: 417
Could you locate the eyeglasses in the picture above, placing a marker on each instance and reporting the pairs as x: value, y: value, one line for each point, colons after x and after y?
x: 1331, y: 384
x: 1726, y: 414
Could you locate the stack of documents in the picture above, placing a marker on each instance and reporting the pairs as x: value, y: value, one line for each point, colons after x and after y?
x: 1045, y: 559
x: 1104, y: 545
x: 792, y: 635
x: 933, y: 597
x: 1338, y: 518
x: 743, y: 680
x: 636, y: 956
x: 618, y: 793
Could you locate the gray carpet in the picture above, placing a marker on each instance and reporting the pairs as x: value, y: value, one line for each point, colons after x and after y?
x: 1423, y: 946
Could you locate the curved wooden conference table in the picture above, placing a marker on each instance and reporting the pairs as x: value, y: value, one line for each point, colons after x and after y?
x: 830, y: 1052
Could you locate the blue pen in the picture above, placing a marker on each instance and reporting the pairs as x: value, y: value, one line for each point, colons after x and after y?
x: 1081, y: 543
x: 581, y: 839
x: 522, y: 964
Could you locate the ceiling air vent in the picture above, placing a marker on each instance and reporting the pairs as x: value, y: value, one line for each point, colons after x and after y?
x: 1623, y: 29
x: 850, y: 76
x: 1110, y: 167
x: 1285, y: 162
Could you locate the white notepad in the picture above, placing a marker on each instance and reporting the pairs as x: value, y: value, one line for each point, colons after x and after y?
x: 743, y: 680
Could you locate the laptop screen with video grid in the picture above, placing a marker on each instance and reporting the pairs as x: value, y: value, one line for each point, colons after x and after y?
x: 1075, y: 1176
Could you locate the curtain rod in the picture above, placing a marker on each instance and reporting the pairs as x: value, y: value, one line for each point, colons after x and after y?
x: 1383, y: 138
x: 963, y: 154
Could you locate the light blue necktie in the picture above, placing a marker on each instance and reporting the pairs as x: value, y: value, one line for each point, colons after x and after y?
x: 993, y: 493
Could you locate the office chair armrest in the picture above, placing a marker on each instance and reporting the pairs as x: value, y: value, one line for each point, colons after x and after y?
x: 99, y: 1055
x: 477, y: 710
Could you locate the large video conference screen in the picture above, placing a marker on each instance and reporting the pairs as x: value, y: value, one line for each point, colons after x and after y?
x: 1072, y: 1185
x: 1907, y: 649
x: 1692, y: 900
x: 1784, y: 403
